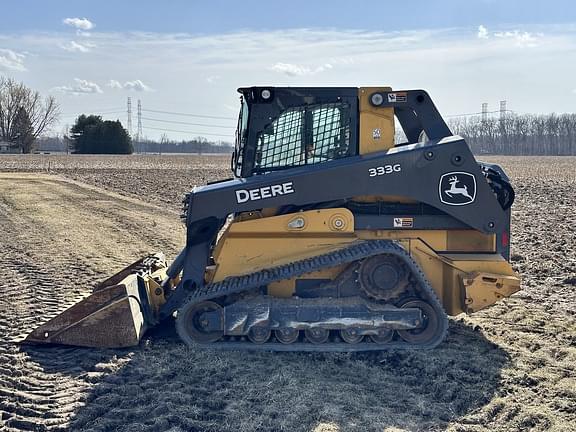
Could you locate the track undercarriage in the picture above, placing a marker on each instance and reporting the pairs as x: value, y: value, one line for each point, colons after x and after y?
x: 380, y: 300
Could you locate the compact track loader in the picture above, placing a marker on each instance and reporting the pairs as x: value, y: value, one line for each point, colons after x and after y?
x: 331, y: 237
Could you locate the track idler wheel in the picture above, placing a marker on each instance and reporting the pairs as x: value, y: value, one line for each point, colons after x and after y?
x: 259, y: 335
x: 430, y: 324
x: 317, y: 335
x: 351, y: 335
x: 197, y: 323
x: 287, y: 335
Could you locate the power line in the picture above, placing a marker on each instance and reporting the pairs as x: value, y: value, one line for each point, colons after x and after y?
x: 189, y: 115
x: 186, y: 123
x: 477, y: 113
x: 188, y: 132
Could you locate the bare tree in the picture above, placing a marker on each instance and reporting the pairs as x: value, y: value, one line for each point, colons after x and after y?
x: 24, y: 114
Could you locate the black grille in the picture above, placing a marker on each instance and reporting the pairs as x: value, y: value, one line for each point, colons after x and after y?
x: 304, y: 135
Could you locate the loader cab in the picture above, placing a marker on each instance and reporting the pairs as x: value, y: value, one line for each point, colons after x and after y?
x: 283, y: 128
x: 286, y: 127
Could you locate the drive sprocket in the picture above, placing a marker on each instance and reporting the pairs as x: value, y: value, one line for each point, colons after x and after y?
x: 383, y: 277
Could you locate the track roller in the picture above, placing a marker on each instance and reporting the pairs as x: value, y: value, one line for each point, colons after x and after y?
x: 259, y: 335
x: 286, y: 335
x: 317, y: 335
x: 383, y: 336
x: 351, y: 335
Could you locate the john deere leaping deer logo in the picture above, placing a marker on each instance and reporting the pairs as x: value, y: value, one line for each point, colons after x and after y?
x: 457, y: 188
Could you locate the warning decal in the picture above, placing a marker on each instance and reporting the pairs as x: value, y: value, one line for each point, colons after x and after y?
x: 397, y: 97
x: 403, y: 222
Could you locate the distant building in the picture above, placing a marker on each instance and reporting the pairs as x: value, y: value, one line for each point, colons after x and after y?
x: 6, y: 147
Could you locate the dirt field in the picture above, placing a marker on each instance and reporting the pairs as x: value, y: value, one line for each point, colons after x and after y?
x: 509, y: 368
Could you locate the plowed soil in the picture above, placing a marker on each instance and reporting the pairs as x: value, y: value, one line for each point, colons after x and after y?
x: 68, y: 221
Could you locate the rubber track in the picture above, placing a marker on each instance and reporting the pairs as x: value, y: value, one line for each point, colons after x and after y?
x: 357, y: 251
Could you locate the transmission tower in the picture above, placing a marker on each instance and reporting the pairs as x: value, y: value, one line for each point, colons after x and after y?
x: 130, y: 115
x: 139, y: 134
x: 502, y: 110
x: 484, y: 111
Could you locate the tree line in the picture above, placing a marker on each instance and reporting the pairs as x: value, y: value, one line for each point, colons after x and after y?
x: 198, y: 145
x: 25, y: 115
x: 514, y: 134
x: 92, y: 135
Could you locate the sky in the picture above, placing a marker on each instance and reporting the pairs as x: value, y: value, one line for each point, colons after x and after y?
x: 184, y: 60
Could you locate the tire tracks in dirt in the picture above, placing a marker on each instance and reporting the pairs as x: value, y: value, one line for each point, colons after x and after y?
x: 48, y: 264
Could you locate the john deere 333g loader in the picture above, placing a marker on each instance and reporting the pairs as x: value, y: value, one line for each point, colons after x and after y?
x: 329, y: 238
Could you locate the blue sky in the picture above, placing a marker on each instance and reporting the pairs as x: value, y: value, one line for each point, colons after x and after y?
x: 215, y: 16
x: 189, y: 57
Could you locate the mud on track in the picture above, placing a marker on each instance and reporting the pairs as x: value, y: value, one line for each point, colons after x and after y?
x: 509, y: 368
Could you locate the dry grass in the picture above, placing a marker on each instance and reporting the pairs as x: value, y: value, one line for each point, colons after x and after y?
x: 509, y: 368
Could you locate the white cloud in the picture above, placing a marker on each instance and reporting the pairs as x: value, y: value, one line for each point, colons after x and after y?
x: 74, y: 46
x: 293, y: 70
x: 522, y: 39
x: 80, y: 87
x: 136, y: 85
x: 114, y: 84
x: 79, y: 23
x: 482, y: 32
x: 11, y: 60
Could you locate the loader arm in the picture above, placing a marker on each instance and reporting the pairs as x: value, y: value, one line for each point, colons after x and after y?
x: 415, y: 173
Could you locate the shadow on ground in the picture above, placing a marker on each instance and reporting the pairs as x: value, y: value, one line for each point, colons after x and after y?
x: 167, y: 386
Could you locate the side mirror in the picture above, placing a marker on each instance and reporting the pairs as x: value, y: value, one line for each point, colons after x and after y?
x: 233, y: 161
